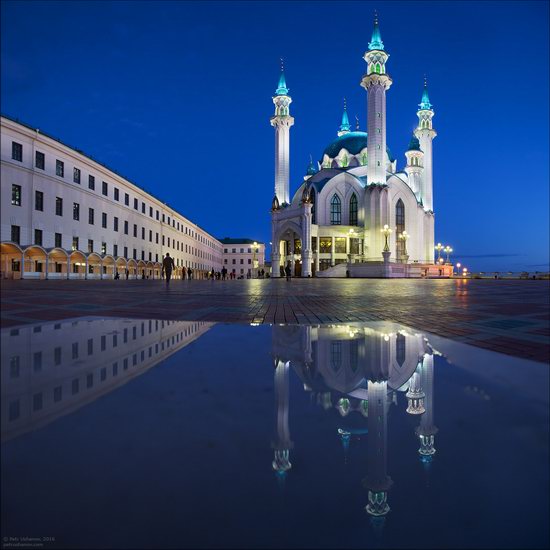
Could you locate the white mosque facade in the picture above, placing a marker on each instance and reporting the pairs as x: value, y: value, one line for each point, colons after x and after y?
x: 355, y: 213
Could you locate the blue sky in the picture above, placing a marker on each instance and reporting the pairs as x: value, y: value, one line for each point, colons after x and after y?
x: 176, y: 96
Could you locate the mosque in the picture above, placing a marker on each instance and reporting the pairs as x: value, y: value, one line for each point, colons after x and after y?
x: 355, y: 214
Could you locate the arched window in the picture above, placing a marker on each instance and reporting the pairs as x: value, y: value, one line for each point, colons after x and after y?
x: 353, y: 210
x: 336, y: 355
x: 313, y: 210
x: 400, y: 349
x: 399, y: 228
x: 335, y: 210
x: 378, y: 68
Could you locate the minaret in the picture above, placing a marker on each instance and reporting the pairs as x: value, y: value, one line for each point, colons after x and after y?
x: 425, y: 134
x: 376, y: 82
x: 345, y: 126
x: 415, y: 167
x: 282, y: 121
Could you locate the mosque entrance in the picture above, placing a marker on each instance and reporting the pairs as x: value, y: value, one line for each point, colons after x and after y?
x: 297, y: 268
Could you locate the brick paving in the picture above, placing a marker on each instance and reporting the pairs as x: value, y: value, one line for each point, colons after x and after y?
x: 511, y: 317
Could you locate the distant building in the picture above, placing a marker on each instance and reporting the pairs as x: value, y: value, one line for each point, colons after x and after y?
x: 243, y: 256
x: 333, y: 225
x: 64, y: 215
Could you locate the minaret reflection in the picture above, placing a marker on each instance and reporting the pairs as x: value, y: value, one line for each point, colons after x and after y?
x: 427, y: 430
x: 282, y: 443
x: 359, y: 370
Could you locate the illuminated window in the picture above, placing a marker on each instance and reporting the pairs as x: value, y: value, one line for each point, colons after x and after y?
x: 400, y: 227
x: 335, y: 210
x: 353, y: 210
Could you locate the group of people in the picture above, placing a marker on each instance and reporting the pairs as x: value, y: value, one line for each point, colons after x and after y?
x: 168, y: 266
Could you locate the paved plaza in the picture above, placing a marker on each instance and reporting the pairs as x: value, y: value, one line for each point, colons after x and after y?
x: 511, y: 317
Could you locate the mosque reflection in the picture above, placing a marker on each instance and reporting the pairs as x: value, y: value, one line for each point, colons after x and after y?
x: 360, y: 371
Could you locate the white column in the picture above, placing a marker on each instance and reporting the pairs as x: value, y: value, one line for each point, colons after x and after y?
x: 332, y: 252
x: 22, y: 265
x: 47, y: 265
x: 306, y: 241
x: 68, y: 267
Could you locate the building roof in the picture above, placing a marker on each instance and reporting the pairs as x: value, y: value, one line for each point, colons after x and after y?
x: 80, y: 152
x: 414, y: 144
x: 354, y: 142
x: 228, y: 240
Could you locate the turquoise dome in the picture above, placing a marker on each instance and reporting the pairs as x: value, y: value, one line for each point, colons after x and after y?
x: 353, y: 142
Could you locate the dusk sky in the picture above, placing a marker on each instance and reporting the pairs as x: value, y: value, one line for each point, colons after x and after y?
x: 176, y: 97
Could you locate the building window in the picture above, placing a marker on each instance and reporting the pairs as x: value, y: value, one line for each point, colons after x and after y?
x: 325, y: 245
x: 16, y: 151
x: 75, y: 350
x: 76, y: 175
x: 134, y: 255
x: 400, y: 349
x: 117, y: 193
x: 126, y: 199
x: 135, y: 231
x: 58, y: 240
x: 91, y: 216
x: 38, y: 237
x: 157, y: 215
x: 115, y: 223
x: 104, y: 220
x: 136, y: 204
x: 354, y: 246
x: 75, y: 244
x: 39, y: 160
x: 126, y: 252
x: 90, y: 245
x: 16, y: 195
x: 399, y: 228
x: 340, y: 245
x: 91, y: 182
x: 336, y: 355
x: 143, y: 233
x: 151, y: 211
x: 126, y: 227
x: 150, y: 236
x: 58, y: 206
x: 76, y: 211
x: 353, y: 210
x: 143, y: 208
x: 104, y: 188
x: 335, y: 210
x: 115, y: 251
x: 39, y: 201
x: 104, y: 249
x: 60, y: 168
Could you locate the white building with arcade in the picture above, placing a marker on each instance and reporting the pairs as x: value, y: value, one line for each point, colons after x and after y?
x: 65, y: 215
x: 356, y: 213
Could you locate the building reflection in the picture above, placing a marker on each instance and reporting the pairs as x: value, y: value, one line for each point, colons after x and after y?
x: 52, y: 369
x: 360, y: 371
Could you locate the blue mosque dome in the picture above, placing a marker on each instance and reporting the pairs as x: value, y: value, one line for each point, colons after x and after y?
x: 414, y: 144
x: 353, y: 142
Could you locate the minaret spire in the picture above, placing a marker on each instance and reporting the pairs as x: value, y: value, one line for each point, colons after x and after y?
x: 376, y: 39
x: 282, y: 121
x: 345, y: 126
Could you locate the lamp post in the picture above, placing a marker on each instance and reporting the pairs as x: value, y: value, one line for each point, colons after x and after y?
x: 351, y: 236
x: 448, y: 251
x: 403, y: 237
x: 464, y: 271
x: 458, y: 267
x: 439, y: 248
x: 386, y: 231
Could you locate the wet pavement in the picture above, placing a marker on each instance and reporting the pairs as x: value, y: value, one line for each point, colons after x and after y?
x: 508, y: 316
x: 147, y: 433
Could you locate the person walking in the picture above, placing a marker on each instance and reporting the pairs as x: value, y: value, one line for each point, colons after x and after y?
x: 183, y: 273
x: 224, y: 273
x: 167, y: 267
x: 287, y: 272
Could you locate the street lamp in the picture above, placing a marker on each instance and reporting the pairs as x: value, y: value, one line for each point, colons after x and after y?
x: 458, y: 267
x: 465, y: 272
x: 386, y: 231
x: 448, y: 251
x: 403, y: 237
x: 439, y: 248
